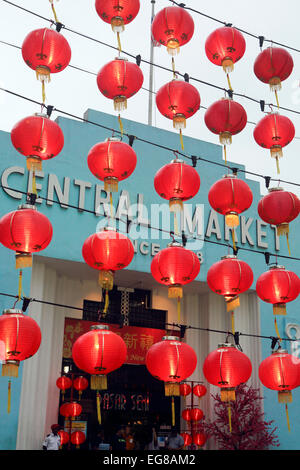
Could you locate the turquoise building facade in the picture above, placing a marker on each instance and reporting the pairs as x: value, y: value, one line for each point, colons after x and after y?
x: 68, y: 180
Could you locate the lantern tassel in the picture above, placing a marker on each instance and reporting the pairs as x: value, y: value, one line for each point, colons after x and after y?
x: 277, y: 100
x: 176, y: 224
x: 9, y: 396
x: 173, y: 412
x: 20, y: 284
x: 121, y: 125
x: 233, y: 239
x: 119, y: 42
x: 287, y: 417
x: 98, y: 407
x: 111, y: 205
x: 43, y: 91
x: 106, y: 302
x: 33, y: 184
x: 277, y: 165
x: 98, y: 382
x: 288, y: 243
x: 277, y: 330
x: 173, y: 67
x: 178, y: 309
x: 229, y: 418
x: 79, y: 395
x: 54, y: 12
x: 228, y: 81
x: 279, y: 309
x: 181, y: 139
x: 225, y: 154
x: 232, y: 323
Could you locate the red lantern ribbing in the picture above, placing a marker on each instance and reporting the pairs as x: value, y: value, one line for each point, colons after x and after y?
x: 187, y: 439
x: 178, y: 101
x: 177, y: 182
x: 224, y: 47
x: 230, y: 196
x: 186, y: 415
x: 112, y: 161
x: 46, y: 51
x: 25, y: 231
x: 20, y: 339
x: 279, y: 208
x: 173, y: 27
x: 70, y: 410
x: 63, y: 383
x: 280, y: 372
x: 99, y: 352
x: 77, y: 438
x: 80, y: 384
x: 107, y: 251
x: 199, y: 439
x: 226, y: 368
x: 117, y: 13
x: 278, y: 286
x: 199, y: 390
x: 229, y: 278
x: 273, y: 66
x: 171, y: 361
x: 274, y: 132
x: 185, y: 390
x: 64, y: 437
x: 38, y: 138
x: 175, y: 266
x: 196, y: 414
x: 119, y: 80
x: 225, y: 118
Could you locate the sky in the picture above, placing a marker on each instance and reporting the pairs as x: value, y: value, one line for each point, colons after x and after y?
x: 75, y: 92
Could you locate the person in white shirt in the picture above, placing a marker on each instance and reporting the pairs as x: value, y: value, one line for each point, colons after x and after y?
x: 52, y: 440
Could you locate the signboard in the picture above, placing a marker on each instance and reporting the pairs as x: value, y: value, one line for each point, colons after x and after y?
x: 138, y: 340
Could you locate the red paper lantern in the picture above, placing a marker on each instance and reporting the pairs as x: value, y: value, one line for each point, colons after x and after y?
x: 112, y: 161
x: 199, y: 439
x: 20, y: 339
x: 175, y: 266
x: 273, y: 66
x: 173, y: 27
x: 224, y: 47
x: 278, y: 286
x: 225, y: 118
x: 274, y: 132
x: 107, y: 251
x: 185, y: 390
x: 187, y: 438
x: 230, y: 277
x: 199, y: 390
x: 177, y: 182
x: 63, y: 383
x: 46, y: 51
x: 99, y: 352
x: 186, y: 414
x: 38, y: 138
x: 170, y: 360
x: 226, y: 368
x: 119, y: 80
x: 64, y: 437
x: 25, y: 231
x: 70, y: 410
x: 196, y: 414
x: 280, y: 372
x: 178, y: 101
x: 118, y: 13
x: 77, y: 438
x: 80, y: 384
x: 279, y: 208
x: 230, y: 196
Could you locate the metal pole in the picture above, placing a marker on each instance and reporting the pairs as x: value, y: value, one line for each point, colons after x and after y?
x: 151, y: 70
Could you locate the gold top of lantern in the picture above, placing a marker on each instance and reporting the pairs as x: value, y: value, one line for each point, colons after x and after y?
x: 230, y: 176
x: 11, y: 311
x: 226, y: 345
x: 113, y: 139
x: 276, y: 267
x: 27, y: 206
x: 170, y: 338
x: 99, y: 327
x: 229, y: 257
x: 280, y: 351
x: 275, y: 189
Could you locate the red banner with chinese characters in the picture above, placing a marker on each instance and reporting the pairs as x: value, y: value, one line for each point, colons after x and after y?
x: 138, y: 340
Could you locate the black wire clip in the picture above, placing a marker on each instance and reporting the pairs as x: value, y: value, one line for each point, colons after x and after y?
x: 138, y: 59
x: 49, y: 110
x: 194, y: 161
x: 131, y: 139
x: 186, y: 77
x: 26, y: 302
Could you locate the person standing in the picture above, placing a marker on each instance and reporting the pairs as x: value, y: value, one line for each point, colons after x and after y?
x: 174, y: 441
x: 118, y: 441
x: 52, y: 440
x: 130, y: 443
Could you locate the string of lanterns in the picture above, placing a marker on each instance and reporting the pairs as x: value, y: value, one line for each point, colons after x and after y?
x: 100, y: 351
